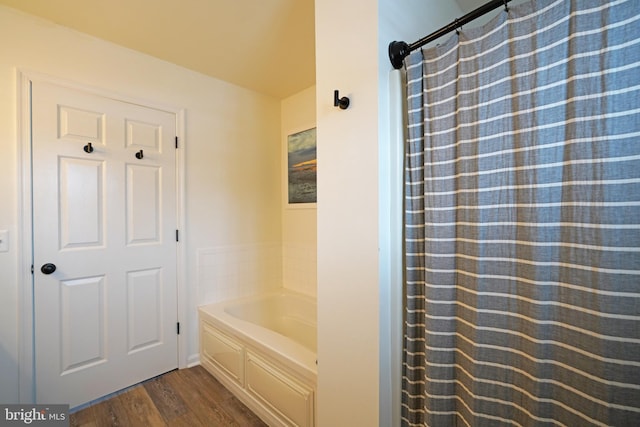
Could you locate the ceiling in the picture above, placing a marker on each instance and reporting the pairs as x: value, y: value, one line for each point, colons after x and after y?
x: 265, y: 45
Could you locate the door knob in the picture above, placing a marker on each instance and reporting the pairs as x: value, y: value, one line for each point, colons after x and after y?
x: 48, y: 268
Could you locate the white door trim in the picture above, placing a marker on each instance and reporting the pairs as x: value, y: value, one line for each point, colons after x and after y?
x: 25, y: 223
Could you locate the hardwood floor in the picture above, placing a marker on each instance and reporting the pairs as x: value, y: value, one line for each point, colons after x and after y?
x: 188, y: 397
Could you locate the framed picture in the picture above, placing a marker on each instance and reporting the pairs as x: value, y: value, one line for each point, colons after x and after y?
x: 302, y: 169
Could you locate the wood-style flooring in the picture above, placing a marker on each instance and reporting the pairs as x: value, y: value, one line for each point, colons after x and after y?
x: 187, y: 397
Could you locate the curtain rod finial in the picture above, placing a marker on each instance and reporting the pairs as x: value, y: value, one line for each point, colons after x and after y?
x: 397, y: 52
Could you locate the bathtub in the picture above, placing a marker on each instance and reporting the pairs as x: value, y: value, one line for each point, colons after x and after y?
x: 263, y: 349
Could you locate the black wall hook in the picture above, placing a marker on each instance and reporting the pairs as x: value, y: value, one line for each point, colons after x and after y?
x: 88, y: 148
x: 343, y: 102
x: 139, y: 155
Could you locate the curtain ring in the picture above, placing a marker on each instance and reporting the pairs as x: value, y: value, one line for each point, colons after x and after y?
x: 458, y: 28
x: 506, y: 9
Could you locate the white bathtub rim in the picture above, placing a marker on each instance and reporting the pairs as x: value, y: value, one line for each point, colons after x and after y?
x: 261, y: 295
x: 287, y: 351
x: 234, y: 305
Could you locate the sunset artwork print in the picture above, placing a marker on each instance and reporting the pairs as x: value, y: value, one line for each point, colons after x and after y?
x: 302, y: 167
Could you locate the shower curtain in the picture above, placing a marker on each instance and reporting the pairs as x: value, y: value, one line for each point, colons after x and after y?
x: 522, y: 221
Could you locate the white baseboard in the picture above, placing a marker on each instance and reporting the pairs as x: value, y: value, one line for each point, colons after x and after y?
x: 193, y: 360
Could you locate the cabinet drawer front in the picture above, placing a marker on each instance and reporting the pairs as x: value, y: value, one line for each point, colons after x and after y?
x: 223, y: 352
x: 283, y: 394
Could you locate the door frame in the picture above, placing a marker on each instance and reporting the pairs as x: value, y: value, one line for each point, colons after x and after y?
x: 26, y: 308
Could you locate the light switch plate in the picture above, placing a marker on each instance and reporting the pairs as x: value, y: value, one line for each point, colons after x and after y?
x: 4, y: 241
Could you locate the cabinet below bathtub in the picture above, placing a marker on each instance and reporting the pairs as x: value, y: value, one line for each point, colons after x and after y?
x: 277, y: 395
x: 224, y: 352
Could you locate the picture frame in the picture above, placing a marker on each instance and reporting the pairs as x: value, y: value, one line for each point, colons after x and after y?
x: 301, y: 189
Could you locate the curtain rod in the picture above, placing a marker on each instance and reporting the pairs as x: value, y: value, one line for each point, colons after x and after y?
x: 400, y: 50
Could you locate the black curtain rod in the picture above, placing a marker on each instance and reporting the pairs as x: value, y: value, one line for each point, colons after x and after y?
x: 400, y: 50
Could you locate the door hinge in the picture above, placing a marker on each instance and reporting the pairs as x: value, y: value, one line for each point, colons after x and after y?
x: 177, y: 236
x: 32, y: 269
x: 176, y: 142
x: 178, y: 328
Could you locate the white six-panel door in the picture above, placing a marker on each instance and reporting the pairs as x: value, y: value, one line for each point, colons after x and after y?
x: 106, y: 218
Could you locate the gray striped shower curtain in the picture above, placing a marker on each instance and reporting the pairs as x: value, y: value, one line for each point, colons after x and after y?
x: 522, y: 221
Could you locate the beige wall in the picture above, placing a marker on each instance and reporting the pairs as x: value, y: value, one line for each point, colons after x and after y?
x: 355, y: 286
x: 298, y: 224
x: 233, y: 142
x: 348, y: 297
